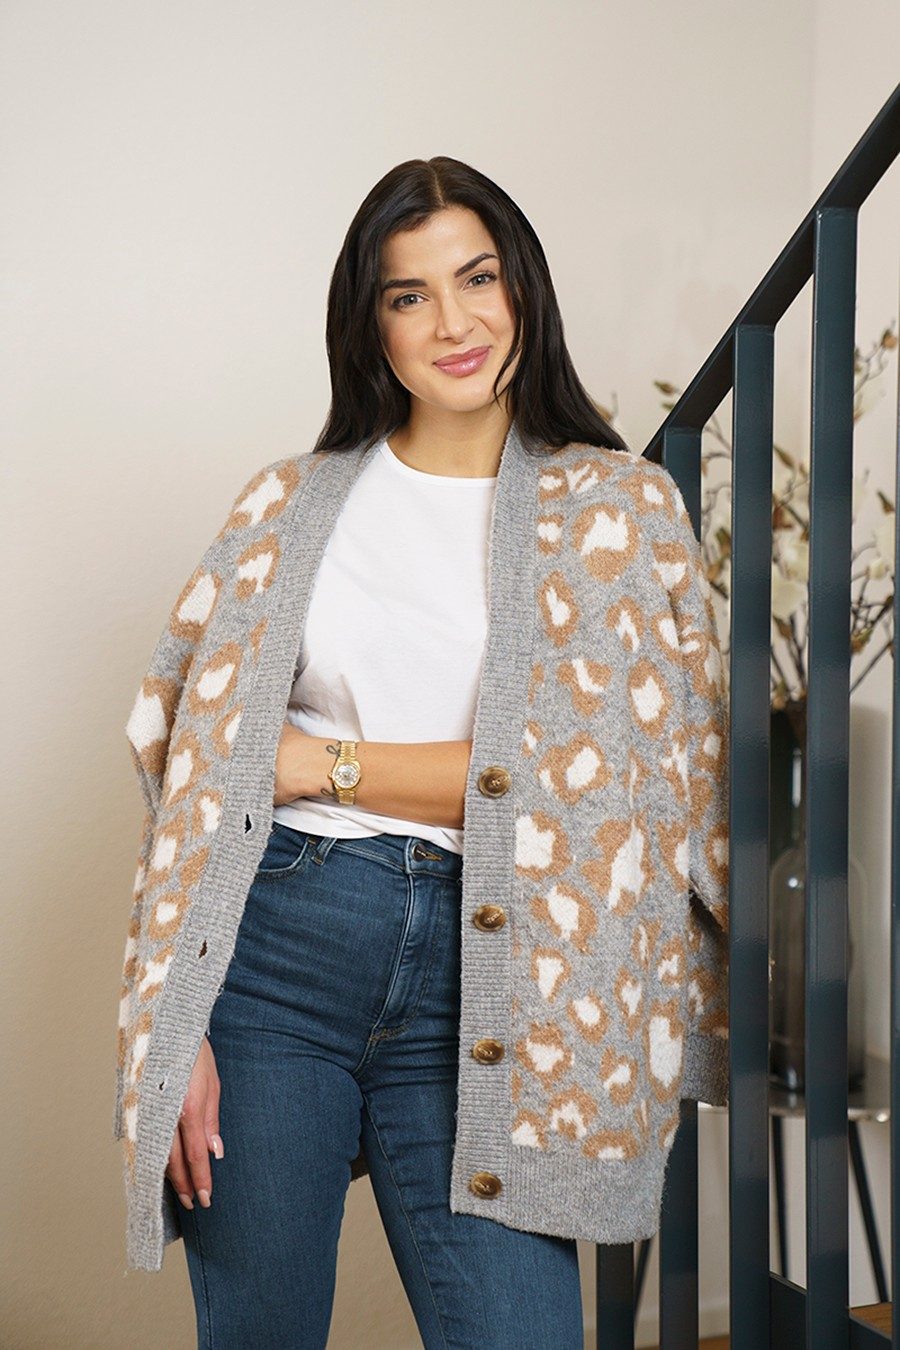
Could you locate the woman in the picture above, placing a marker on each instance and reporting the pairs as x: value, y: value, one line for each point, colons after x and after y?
x: 334, y: 1038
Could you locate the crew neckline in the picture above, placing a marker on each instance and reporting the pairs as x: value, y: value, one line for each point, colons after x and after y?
x: 419, y: 474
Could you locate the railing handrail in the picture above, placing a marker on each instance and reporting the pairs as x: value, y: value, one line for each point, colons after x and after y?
x: 866, y: 164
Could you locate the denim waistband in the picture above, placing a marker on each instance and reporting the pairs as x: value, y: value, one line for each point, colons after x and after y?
x: 408, y: 852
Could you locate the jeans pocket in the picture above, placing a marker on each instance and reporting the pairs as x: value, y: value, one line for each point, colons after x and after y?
x: 284, y: 851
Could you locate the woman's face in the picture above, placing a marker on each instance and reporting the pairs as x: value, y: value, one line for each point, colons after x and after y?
x: 442, y: 294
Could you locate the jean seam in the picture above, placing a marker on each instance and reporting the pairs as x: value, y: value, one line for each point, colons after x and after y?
x: 406, y: 1215
x: 205, y: 1286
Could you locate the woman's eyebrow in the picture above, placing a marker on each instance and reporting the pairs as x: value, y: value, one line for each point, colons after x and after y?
x: 401, y: 283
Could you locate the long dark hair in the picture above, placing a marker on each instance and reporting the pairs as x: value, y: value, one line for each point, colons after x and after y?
x: 546, y: 398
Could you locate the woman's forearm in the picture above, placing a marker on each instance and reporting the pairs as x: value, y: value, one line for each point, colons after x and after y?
x: 419, y: 780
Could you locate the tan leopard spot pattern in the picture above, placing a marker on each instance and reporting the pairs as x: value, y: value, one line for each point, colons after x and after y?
x: 607, y: 539
x: 550, y: 533
x: 568, y: 913
x: 542, y: 846
x: 629, y: 994
x: 664, y: 1048
x: 589, y: 1015
x: 550, y: 969
x: 571, y: 771
x: 672, y: 565
x: 264, y: 497
x: 206, y: 812
x: 535, y: 680
x: 674, y: 845
x: 674, y: 765
x: 150, y: 722
x: 670, y: 962
x: 618, y: 1074
x: 193, y: 608
x: 643, y: 941
x: 571, y: 1112
x: 587, y: 682
x: 215, y: 683
x: 624, y: 871
x: 166, y: 849
x: 256, y: 567
x: 529, y: 1130
x: 650, y: 494
x: 544, y: 1053
x: 185, y: 767
x: 256, y: 637
x: 225, y: 730
x: 650, y: 695
x: 557, y: 608
x: 626, y: 619
x: 612, y: 1146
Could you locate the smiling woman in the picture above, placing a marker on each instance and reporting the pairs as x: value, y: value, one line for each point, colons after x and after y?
x: 432, y: 749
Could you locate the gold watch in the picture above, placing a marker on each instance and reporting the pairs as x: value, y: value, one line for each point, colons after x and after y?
x: 345, y: 773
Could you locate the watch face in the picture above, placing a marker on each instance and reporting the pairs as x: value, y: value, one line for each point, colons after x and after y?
x: 346, y: 775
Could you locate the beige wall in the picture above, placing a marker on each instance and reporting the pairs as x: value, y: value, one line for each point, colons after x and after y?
x: 177, y: 181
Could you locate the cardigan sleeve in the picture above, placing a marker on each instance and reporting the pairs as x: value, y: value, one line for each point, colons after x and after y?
x: 707, y: 729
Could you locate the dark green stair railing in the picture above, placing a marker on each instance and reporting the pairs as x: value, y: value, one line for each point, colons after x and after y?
x: 767, y: 1309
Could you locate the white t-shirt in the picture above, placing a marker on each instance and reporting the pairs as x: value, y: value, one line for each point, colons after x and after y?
x: 394, y: 636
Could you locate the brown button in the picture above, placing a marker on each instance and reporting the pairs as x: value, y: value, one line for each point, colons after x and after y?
x: 485, y: 1184
x: 489, y: 917
x: 494, y: 781
x: 487, y: 1050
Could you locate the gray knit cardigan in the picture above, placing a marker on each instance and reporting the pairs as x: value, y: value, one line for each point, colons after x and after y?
x: 596, y: 851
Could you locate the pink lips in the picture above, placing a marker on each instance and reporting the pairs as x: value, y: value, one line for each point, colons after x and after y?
x: 465, y: 363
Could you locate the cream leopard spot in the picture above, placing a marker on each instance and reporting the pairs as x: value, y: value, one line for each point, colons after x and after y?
x: 618, y: 1074
x: 549, y: 969
x: 675, y: 763
x: 550, y: 533
x: 186, y: 766
x: 612, y: 1146
x: 643, y: 940
x: 629, y: 992
x: 551, y: 484
x: 674, y: 845
x: 667, y: 1131
x: 542, y: 846
x: 150, y: 721
x: 532, y: 735
x: 256, y: 567
x: 626, y: 620
x: 195, y: 604
x: 558, y: 609
x: 664, y: 1048
x: 665, y: 631
x: 529, y: 1130
x: 572, y: 770
x: 606, y: 539
x: 207, y: 812
x: 670, y: 963
x: 265, y: 496
x: 672, y: 565
x: 570, y: 915
x: 650, y: 493
x: 587, y: 682
x: 544, y: 1053
x: 166, y: 848
x: 226, y: 729
x: 571, y: 1112
x: 623, y: 873
x: 651, y: 697
x: 215, y: 683
x: 152, y: 973
x: 589, y: 1015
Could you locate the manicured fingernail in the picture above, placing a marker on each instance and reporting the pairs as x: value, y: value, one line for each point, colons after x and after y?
x: 218, y: 1146
x: 203, y: 1197
x: 186, y: 1200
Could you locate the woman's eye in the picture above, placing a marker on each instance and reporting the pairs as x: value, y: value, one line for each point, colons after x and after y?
x: 410, y: 295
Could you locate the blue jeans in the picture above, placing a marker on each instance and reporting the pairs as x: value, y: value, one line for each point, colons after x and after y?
x: 339, y: 1020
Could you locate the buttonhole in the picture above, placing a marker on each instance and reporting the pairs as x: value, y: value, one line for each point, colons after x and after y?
x: 162, y: 1085
x: 248, y: 824
x: 202, y: 951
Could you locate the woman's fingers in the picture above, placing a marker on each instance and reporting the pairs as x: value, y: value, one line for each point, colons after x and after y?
x: 194, y: 1142
x: 177, y: 1172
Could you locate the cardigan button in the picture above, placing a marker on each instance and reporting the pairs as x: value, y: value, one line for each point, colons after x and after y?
x: 485, y: 1184
x: 489, y: 917
x: 494, y: 781
x: 487, y: 1050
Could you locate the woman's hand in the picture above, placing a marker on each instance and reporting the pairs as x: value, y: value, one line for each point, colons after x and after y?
x: 301, y: 764
x: 197, y: 1132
